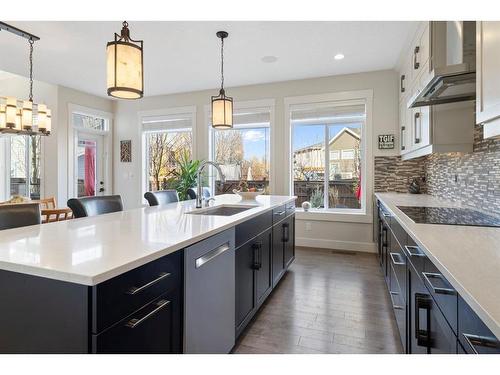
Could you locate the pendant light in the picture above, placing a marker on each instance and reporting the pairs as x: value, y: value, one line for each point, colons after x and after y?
x: 222, y: 105
x: 23, y: 117
x: 125, y: 68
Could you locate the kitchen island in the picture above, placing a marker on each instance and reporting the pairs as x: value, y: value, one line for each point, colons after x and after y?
x: 98, y: 284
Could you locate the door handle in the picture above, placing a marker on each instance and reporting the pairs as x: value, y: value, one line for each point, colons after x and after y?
x: 401, y: 87
x: 416, y: 64
x: 257, y: 261
x: 285, y: 237
x: 438, y: 290
x: 403, y: 147
x: 481, y: 341
x: 416, y: 119
x: 135, y: 290
x: 132, y: 323
x: 101, y: 190
x: 397, y: 263
x: 422, y: 302
x: 211, y: 255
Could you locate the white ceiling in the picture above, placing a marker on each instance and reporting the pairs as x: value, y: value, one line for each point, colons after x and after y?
x: 184, y: 56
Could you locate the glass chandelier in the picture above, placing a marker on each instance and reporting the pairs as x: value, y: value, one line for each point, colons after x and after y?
x: 222, y: 105
x: 125, y: 66
x: 24, y: 117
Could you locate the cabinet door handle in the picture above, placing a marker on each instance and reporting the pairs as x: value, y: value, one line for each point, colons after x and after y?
x: 211, y: 255
x: 279, y: 213
x: 416, y: 119
x: 384, y: 238
x: 438, y: 290
x: 257, y: 261
x: 397, y: 263
x: 135, y: 289
x: 416, y: 64
x: 403, y: 147
x: 402, y: 79
x: 414, y: 251
x: 422, y: 302
x: 396, y: 307
x: 132, y: 323
x: 481, y: 341
x: 286, y: 233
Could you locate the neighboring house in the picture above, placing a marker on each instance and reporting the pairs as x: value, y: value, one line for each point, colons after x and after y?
x: 309, y: 162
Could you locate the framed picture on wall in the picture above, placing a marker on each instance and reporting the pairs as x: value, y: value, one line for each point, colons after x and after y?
x: 126, y: 151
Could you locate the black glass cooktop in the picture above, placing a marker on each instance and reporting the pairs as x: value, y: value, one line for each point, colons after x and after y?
x: 450, y: 216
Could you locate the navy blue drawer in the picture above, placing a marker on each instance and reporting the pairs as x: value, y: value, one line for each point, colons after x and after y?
x: 473, y: 335
x: 279, y: 213
x: 253, y: 227
x: 290, y: 208
x: 120, y: 296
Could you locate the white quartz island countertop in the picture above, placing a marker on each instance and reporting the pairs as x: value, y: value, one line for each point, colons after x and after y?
x: 468, y: 256
x: 91, y: 250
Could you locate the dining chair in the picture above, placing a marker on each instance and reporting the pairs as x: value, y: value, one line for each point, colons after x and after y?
x: 50, y: 213
x: 156, y: 198
x: 93, y: 206
x: 19, y: 215
x: 191, y: 192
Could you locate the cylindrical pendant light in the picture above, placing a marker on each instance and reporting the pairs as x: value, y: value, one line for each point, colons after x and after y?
x: 222, y: 105
x: 11, y: 112
x: 42, y: 118
x: 125, y: 71
x: 27, y: 115
x: 2, y: 116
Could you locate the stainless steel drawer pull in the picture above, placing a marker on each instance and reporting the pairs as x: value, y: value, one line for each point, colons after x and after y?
x: 414, y: 251
x: 400, y: 262
x: 438, y: 290
x: 396, y: 307
x: 138, y: 289
x: 211, y: 255
x: 386, y: 214
x: 485, y: 342
x: 132, y: 323
x: 279, y: 213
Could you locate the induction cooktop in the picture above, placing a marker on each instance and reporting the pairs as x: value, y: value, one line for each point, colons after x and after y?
x: 450, y: 216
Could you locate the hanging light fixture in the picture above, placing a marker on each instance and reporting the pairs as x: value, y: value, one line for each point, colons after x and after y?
x: 23, y: 116
x: 125, y: 66
x: 222, y: 105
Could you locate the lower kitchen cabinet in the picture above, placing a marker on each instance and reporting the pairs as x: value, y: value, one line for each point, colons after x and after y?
x: 148, y: 331
x: 432, y: 318
x: 260, y: 264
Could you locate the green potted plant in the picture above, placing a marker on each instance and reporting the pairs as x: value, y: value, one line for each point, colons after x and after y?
x: 185, y: 176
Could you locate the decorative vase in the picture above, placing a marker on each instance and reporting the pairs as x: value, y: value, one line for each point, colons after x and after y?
x: 306, y: 206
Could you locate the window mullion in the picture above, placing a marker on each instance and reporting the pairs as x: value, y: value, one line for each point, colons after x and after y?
x: 327, y: 168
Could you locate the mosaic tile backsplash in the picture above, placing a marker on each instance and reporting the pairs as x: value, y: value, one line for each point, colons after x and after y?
x: 472, y: 179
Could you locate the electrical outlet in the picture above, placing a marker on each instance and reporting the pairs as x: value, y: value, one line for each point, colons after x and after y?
x: 308, y: 225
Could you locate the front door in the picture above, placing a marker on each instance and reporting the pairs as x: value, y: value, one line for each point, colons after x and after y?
x: 90, y: 162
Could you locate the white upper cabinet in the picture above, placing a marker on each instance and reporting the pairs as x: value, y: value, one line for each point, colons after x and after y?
x: 488, y: 77
x: 430, y: 129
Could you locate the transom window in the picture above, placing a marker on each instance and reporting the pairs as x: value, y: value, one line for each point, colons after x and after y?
x: 327, y: 154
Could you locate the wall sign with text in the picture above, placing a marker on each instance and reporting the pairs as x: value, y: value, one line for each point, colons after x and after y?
x: 386, y: 141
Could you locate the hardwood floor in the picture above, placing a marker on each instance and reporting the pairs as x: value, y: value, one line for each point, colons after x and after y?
x: 328, y: 302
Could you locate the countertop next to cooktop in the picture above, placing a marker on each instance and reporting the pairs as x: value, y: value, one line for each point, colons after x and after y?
x: 468, y: 256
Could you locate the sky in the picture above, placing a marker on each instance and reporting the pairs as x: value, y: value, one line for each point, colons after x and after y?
x: 254, y: 140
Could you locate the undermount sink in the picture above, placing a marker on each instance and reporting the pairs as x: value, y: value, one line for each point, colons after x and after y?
x: 222, y: 210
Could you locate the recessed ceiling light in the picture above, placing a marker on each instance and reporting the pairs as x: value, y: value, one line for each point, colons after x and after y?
x: 339, y: 56
x: 269, y: 59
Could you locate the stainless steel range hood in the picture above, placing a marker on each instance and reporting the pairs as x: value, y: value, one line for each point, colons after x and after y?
x: 453, y: 65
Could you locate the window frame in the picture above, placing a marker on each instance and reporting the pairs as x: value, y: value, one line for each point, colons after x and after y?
x: 171, y: 111
x: 364, y: 214
x: 256, y: 105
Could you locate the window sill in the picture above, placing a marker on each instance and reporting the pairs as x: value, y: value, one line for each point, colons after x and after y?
x: 346, y: 216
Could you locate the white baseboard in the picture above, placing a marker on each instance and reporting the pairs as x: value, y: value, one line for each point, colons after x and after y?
x: 364, y: 247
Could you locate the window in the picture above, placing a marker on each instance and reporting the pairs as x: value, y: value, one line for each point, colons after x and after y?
x: 168, y: 142
x: 24, y: 176
x: 243, y: 151
x: 86, y: 121
x: 327, y: 153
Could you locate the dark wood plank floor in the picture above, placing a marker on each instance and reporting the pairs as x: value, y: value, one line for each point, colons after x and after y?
x: 328, y: 302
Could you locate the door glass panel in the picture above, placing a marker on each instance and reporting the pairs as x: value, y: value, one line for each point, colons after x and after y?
x: 18, y: 164
x: 87, y: 170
